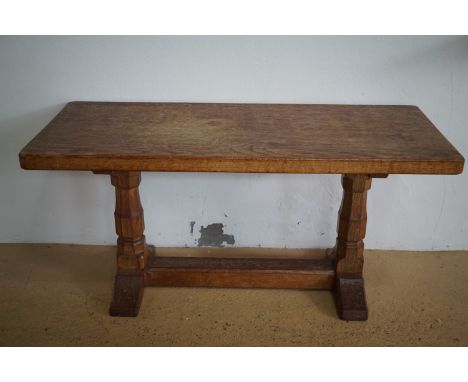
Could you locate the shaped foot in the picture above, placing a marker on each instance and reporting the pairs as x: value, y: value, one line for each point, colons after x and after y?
x: 128, y: 292
x: 351, y: 299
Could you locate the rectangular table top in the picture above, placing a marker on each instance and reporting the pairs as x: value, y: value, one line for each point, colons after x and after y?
x: 276, y: 138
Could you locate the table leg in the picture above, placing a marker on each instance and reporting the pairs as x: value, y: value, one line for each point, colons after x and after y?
x: 132, y: 250
x: 349, y: 286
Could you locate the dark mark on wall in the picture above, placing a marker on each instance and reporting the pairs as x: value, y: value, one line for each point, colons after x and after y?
x: 214, y: 236
x: 192, y: 223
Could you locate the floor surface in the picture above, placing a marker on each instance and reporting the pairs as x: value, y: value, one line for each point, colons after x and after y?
x: 58, y: 295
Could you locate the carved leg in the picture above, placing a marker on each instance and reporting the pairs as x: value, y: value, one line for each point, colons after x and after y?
x: 350, y: 295
x: 131, y: 246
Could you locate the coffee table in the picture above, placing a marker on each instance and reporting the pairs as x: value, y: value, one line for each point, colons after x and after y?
x: 361, y: 142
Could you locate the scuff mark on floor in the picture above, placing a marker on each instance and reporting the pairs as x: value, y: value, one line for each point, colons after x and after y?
x: 213, y: 236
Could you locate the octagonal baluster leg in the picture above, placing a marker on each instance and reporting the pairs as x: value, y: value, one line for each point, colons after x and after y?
x: 132, y: 250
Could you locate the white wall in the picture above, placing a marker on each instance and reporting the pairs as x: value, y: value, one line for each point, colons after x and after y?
x: 38, y: 75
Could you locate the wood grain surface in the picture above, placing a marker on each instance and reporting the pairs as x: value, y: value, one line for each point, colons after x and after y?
x: 240, y: 272
x: 349, y: 249
x: 270, y: 138
x: 132, y: 250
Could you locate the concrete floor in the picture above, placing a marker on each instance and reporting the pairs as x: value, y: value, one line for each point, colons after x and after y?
x: 58, y: 295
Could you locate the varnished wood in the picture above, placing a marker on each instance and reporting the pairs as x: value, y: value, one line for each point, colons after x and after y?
x: 240, y: 272
x: 242, y: 252
x: 132, y: 250
x: 128, y: 293
x: 349, y: 248
x: 123, y: 139
x: 351, y: 299
x: 352, y: 225
x: 267, y: 138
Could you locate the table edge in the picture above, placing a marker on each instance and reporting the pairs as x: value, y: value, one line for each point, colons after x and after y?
x: 240, y: 165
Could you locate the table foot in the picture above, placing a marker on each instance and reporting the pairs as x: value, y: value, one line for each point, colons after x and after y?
x: 128, y: 292
x: 351, y: 299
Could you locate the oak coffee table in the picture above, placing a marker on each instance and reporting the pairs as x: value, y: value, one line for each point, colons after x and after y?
x: 358, y: 141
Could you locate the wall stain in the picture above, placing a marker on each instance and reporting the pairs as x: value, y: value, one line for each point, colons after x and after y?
x: 213, y: 236
x: 192, y: 224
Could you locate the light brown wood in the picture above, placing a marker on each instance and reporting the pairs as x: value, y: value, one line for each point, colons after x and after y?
x: 267, y: 138
x: 240, y: 272
x: 243, y: 252
x: 349, y: 249
x: 123, y: 139
x: 352, y: 222
x: 132, y: 250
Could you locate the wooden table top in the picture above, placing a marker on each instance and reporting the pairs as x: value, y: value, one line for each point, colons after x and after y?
x: 276, y: 138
